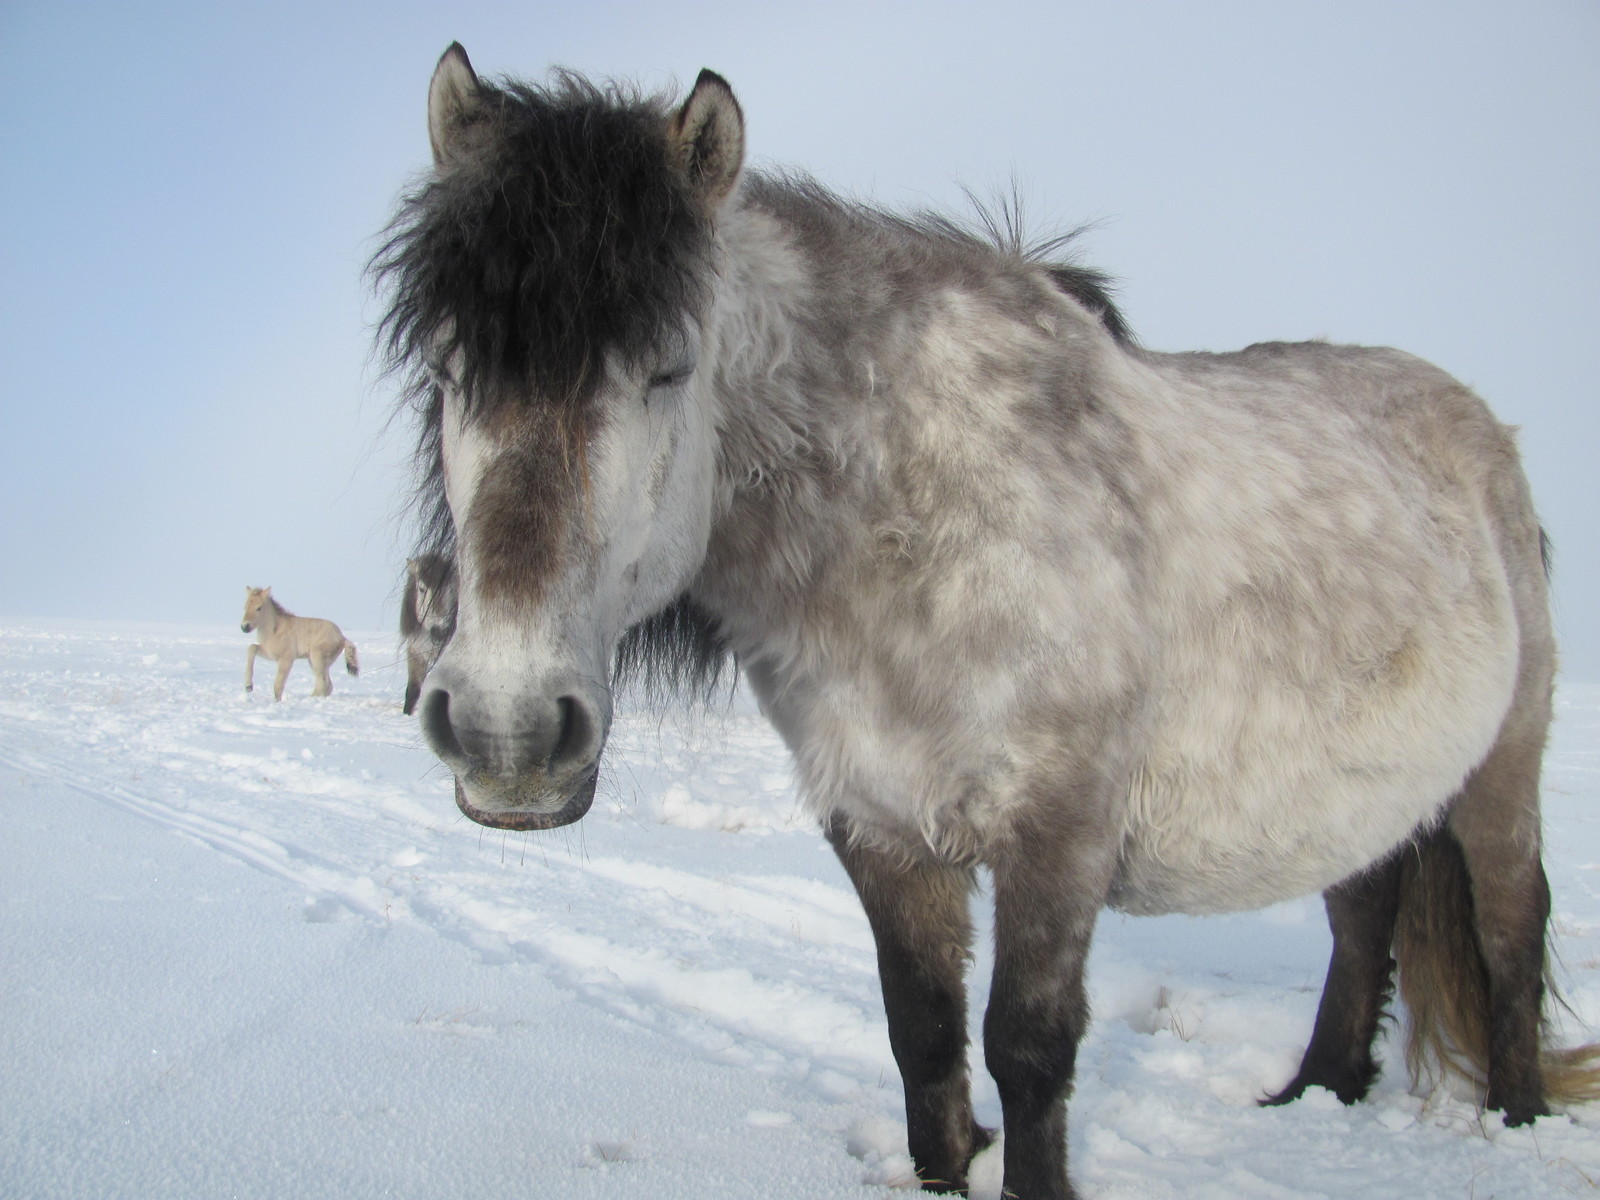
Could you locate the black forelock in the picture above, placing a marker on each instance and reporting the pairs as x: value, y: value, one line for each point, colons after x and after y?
x: 558, y: 236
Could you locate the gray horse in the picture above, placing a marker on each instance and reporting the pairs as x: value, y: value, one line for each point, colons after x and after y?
x: 1165, y: 632
x: 427, y: 618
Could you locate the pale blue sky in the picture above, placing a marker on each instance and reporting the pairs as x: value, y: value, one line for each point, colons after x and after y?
x: 191, y: 191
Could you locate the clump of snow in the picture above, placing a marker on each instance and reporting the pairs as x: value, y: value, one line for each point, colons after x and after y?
x: 252, y: 949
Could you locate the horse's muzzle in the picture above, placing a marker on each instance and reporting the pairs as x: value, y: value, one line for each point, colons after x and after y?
x: 575, y: 807
x: 532, y: 765
x: 246, y: 627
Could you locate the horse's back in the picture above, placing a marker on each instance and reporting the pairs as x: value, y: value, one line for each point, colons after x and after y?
x: 317, y: 635
x: 1350, y: 594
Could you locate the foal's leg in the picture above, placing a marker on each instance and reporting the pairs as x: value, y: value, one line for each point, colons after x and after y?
x: 1495, y: 821
x: 919, y: 919
x: 1361, y: 913
x: 284, y: 664
x: 321, y: 685
x: 250, y: 667
x: 1050, y: 882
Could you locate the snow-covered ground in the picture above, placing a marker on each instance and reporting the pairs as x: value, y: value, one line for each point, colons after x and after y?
x: 251, y: 949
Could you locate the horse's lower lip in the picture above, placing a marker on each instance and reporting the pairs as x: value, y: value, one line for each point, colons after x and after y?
x: 575, y: 807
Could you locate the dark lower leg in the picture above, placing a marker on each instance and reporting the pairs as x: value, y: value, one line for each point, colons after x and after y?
x: 1050, y: 885
x: 1495, y: 823
x: 1361, y: 914
x: 919, y: 919
x: 1511, y: 931
x: 1032, y: 1050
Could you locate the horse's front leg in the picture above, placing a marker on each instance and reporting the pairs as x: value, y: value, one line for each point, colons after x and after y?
x: 919, y: 918
x: 250, y: 667
x: 416, y: 669
x: 1051, y: 878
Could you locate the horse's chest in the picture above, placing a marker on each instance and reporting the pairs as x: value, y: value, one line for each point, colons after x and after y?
x: 922, y: 782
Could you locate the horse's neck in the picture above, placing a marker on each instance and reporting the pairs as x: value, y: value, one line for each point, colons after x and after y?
x: 796, y: 420
x: 777, y: 363
x: 272, y: 617
x: 841, y: 346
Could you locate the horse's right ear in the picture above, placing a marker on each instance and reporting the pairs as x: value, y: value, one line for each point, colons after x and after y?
x: 706, y: 139
x: 454, y: 99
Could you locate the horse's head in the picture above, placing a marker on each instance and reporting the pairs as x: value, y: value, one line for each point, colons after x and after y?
x: 433, y: 596
x: 254, y: 600
x: 553, y: 282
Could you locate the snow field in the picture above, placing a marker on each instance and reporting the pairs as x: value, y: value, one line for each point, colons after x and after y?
x: 676, y: 997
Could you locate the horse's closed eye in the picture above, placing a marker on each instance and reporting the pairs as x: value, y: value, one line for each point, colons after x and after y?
x: 676, y: 377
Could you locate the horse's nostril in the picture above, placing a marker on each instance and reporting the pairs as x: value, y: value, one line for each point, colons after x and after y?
x: 575, y: 736
x: 436, y: 726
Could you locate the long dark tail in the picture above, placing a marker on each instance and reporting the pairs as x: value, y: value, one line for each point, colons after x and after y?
x: 1444, y: 982
x: 352, y: 661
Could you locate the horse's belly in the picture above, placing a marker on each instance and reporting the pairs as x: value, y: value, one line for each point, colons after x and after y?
x: 1176, y: 869
x: 1305, y: 806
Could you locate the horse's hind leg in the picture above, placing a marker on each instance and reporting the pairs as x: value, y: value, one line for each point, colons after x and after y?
x: 919, y: 918
x: 1361, y: 914
x: 1495, y: 821
x: 321, y: 684
x: 1473, y: 914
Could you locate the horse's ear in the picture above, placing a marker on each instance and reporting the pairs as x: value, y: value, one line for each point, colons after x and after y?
x: 706, y: 138
x: 454, y: 98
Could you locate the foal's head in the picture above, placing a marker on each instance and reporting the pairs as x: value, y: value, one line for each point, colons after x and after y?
x: 552, y: 283
x: 255, y: 600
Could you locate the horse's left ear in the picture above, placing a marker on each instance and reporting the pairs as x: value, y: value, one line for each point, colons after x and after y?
x: 706, y: 139
x: 454, y: 98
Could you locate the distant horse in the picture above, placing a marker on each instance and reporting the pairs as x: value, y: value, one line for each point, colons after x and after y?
x: 1166, y: 632
x: 427, y: 618
x: 285, y: 637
